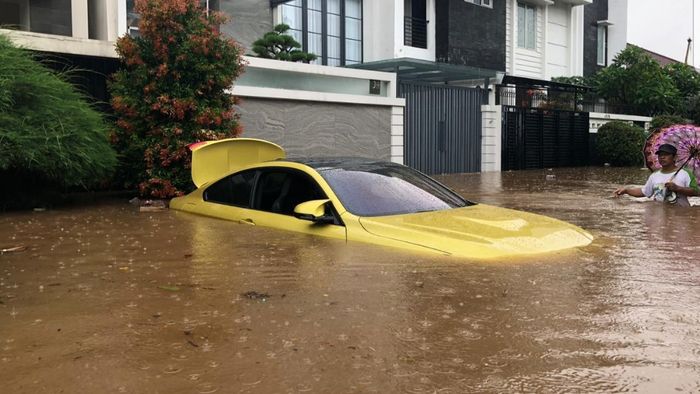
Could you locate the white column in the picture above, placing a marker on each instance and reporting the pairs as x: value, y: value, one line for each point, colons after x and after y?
x: 576, y: 44
x: 545, y: 33
x: 79, y: 18
x: 112, y: 19
x: 398, y: 28
x: 121, y: 18
x: 490, y: 138
x: 397, y: 134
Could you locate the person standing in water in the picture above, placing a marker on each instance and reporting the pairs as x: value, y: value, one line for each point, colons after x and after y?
x: 669, y: 184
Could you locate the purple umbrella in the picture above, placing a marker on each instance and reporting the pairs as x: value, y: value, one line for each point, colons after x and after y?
x: 686, y: 139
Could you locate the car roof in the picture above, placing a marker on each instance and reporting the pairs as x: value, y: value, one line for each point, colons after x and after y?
x: 321, y: 164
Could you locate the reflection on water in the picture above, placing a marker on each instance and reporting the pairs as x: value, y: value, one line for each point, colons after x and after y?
x: 106, y: 299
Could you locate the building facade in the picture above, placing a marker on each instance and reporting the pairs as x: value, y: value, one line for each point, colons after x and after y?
x: 308, y: 109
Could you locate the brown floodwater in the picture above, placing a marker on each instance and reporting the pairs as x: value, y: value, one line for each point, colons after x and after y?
x: 107, y: 299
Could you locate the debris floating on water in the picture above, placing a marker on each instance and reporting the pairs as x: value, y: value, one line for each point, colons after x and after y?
x: 254, y: 295
x: 12, y: 249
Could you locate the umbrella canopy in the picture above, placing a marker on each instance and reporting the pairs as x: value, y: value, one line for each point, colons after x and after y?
x: 686, y: 139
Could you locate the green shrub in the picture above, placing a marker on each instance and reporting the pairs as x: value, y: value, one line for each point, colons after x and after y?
x: 620, y: 144
x: 50, y: 137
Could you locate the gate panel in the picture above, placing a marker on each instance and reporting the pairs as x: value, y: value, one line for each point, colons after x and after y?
x: 442, y: 128
x: 511, y: 138
x: 550, y: 141
x: 533, y: 139
x: 537, y: 138
x: 564, y: 136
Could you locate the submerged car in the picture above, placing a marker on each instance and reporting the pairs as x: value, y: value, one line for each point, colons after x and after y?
x: 250, y: 181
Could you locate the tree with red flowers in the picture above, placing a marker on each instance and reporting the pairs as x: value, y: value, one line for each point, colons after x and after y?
x: 171, y: 91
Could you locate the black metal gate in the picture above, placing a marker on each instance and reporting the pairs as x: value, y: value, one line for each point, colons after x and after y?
x: 537, y: 138
x: 442, y: 127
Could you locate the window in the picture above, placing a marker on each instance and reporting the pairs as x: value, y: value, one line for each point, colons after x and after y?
x: 280, y: 191
x: 330, y: 29
x: 376, y: 190
x: 483, y: 3
x: 601, y: 43
x: 133, y: 18
x: 527, y: 27
x: 232, y: 190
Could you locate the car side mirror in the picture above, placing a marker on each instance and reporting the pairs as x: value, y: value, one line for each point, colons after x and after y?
x: 315, y: 211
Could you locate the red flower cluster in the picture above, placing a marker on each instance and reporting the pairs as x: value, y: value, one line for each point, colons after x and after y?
x: 172, y: 92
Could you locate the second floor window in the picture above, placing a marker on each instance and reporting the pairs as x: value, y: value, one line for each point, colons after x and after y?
x: 601, y: 44
x: 330, y: 29
x: 527, y: 26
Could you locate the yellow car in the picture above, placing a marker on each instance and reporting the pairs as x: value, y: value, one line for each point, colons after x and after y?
x: 249, y: 181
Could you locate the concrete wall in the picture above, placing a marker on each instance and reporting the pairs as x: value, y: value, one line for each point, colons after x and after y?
x: 308, y: 120
x: 249, y: 20
x: 378, y: 21
x: 598, y: 119
x: 319, y: 129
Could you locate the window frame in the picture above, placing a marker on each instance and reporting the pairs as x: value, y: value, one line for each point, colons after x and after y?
x: 256, y: 176
x: 483, y: 3
x: 323, y: 57
x: 524, y: 36
x: 602, y: 45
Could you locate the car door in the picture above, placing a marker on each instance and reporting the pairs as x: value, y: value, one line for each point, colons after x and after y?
x: 279, y: 190
x: 267, y: 197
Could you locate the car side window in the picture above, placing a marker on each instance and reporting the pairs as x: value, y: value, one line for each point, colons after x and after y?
x: 279, y: 191
x: 235, y: 189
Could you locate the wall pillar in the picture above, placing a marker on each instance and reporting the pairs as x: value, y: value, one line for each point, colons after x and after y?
x: 80, y: 18
x: 490, y: 138
x: 397, y: 134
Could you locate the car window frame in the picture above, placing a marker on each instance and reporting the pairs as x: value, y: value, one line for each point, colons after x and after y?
x: 426, y: 178
x: 252, y: 189
x: 257, y: 189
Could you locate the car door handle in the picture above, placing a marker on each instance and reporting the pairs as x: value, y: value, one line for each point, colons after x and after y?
x: 247, y: 221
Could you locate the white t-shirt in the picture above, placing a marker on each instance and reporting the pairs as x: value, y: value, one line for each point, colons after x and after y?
x: 654, y: 188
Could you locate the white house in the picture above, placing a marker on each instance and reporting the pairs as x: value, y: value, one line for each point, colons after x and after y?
x: 544, y: 38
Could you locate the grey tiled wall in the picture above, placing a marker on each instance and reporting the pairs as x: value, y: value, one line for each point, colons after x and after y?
x: 313, y: 129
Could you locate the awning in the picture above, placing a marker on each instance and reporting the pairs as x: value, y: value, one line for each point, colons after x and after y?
x: 408, y: 69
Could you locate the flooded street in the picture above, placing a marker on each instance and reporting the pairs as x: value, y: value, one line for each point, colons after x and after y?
x: 107, y: 299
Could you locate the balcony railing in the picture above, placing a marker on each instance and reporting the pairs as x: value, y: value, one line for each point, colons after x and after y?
x: 415, y: 32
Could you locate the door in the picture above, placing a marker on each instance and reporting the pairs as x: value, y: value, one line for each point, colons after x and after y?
x: 442, y: 127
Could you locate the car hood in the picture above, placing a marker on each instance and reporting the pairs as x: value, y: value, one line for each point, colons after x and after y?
x: 479, y: 231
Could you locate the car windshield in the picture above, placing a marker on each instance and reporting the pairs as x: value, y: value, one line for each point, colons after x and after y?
x: 380, y: 189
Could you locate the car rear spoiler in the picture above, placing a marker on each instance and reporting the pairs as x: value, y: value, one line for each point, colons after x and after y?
x: 212, y: 160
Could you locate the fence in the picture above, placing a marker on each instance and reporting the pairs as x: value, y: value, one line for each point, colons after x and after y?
x: 577, y: 99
